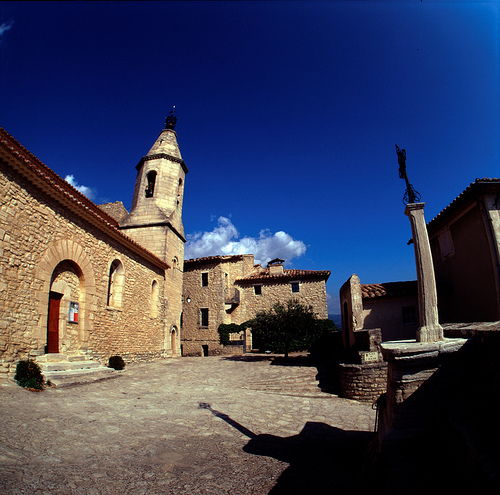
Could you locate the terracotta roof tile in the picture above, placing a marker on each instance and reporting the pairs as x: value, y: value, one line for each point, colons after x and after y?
x: 41, y: 176
x: 264, y: 274
x: 476, y: 188
x: 389, y: 289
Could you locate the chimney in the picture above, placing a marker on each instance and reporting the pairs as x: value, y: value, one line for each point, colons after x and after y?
x: 275, y: 266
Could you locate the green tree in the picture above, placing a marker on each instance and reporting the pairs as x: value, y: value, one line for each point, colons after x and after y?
x: 287, y: 327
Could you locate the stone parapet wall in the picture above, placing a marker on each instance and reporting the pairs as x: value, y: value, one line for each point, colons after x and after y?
x: 363, y: 382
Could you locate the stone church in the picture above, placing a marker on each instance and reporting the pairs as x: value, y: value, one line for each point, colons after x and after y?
x: 77, y: 279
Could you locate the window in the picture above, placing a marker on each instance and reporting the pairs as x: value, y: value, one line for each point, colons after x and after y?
x: 445, y: 243
x: 204, y: 317
x: 409, y: 315
x: 257, y: 290
x: 115, y: 284
x: 150, y: 188
x: 155, y: 298
x: 204, y: 279
x: 295, y: 286
x: 179, y: 192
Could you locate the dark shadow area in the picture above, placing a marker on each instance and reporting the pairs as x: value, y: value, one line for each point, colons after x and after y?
x: 250, y: 358
x: 322, y: 459
x: 445, y: 438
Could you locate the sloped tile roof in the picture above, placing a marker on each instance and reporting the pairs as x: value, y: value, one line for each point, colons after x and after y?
x: 264, y: 275
x: 213, y: 259
x: 463, y: 200
x: 44, y: 178
x: 389, y: 289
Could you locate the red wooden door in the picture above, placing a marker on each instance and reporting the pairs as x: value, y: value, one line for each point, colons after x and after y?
x: 53, y: 323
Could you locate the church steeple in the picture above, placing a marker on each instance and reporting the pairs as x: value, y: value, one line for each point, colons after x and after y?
x: 159, y: 189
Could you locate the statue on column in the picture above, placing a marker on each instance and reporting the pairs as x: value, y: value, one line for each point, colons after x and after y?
x: 411, y: 196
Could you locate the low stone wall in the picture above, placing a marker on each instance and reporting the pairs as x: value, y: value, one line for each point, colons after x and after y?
x: 209, y: 348
x: 363, y: 382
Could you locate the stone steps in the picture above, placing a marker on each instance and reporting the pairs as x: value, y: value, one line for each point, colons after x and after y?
x: 304, y: 385
x: 68, y: 370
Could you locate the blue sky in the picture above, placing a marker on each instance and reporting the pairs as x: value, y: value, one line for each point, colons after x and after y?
x: 288, y: 113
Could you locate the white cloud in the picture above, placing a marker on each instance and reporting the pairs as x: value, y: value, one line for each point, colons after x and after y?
x: 224, y: 240
x: 5, y: 27
x: 86, y: 191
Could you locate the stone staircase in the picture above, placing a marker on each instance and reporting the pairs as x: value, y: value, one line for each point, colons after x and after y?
x: 299, y: 385
x: 64, y: 370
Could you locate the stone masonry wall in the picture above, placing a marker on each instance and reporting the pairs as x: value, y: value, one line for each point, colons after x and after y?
x: 211, y: 297
x: 36, y: 234
x: 312, y: 292
x: 363, y: 382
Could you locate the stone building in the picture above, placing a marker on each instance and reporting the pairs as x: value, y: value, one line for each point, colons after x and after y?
x: 465, y: 245
x: 231, y: 289
x: 74, y: 280
x: 392, y: 307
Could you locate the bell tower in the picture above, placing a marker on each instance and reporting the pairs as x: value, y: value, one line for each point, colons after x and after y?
x: 155, y: 218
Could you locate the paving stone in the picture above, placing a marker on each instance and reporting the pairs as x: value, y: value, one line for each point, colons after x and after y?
x: 183, y: 426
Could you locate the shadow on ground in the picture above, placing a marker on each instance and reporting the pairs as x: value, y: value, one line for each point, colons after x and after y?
x: 322, y: 459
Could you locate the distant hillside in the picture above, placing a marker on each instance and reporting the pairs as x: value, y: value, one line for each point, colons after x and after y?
x: 337, y: 319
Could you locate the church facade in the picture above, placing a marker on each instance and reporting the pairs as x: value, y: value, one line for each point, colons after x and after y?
x: 80, y: 279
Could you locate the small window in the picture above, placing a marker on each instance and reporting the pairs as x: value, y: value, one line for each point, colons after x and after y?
x: 204, y: 279
x: 155, y: 298
x: 150, y: 188
x: 204, y: 317
x: 295, y: 286
x: 409, y: 315
x: 446, y: 243
x: 116, y: 281
x: 257, y: 290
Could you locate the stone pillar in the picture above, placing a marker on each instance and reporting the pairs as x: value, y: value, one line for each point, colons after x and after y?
x: 351, y: 305
x: 430, y: 330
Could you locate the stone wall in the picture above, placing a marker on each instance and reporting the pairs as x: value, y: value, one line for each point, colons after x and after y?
x: 311, y: 293
x: 209, y: 297
x: 363, y: 382
x: 36, y: 235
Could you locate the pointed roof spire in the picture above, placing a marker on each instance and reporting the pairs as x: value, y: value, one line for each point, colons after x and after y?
x: 171, y: 120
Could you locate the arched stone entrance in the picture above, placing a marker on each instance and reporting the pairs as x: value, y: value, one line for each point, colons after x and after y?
x: 173, y: 341
x: 67, y: 290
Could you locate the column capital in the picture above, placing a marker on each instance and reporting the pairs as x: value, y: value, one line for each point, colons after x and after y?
x: 413, y: 206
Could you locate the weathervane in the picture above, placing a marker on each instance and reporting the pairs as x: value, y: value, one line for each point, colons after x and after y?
x: 411, y: 196
x: 171, y: 120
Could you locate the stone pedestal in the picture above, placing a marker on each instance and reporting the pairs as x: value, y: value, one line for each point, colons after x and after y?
x: 430, y: 330
x: 410, y: 365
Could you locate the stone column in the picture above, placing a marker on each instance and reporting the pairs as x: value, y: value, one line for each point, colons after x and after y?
x: 430, y: 330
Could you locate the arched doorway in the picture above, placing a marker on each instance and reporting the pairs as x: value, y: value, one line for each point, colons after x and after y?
x: 173, y: 341
x: 51, y: 279
x: 65, y: 298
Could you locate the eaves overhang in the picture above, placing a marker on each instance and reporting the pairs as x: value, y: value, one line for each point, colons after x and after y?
x: 166, y: 156
x: 42, y: 177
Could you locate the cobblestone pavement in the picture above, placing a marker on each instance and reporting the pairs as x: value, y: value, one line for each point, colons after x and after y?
x: 213, y: 425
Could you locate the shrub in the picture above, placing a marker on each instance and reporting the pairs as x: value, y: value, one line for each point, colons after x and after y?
x: 29, y: 375
x: 116, y: 362
x: 225, y: 330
